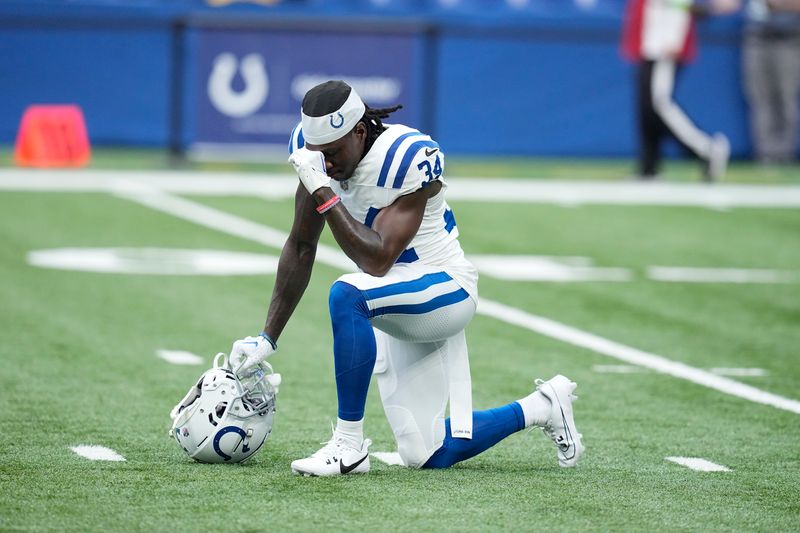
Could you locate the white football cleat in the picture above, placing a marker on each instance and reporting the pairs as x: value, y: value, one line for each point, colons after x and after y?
x: 561, y: 426
x: 336, y: 458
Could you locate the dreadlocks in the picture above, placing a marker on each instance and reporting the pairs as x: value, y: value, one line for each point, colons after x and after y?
x: 372, y: 120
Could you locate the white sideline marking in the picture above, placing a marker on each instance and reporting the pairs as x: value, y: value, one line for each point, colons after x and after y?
x: 757, y: 372
x: 717, y: 196
x: 546, y: 268
x: 696, y: 463
x: 721, y: 275
x: 178, y: 182
x: 390, y: 458
x: 618, y: 369
x: 155, y: 261
x: 598, y: 344
x: 179, y: 357
x: 97, y: 453
x: 232, y: 225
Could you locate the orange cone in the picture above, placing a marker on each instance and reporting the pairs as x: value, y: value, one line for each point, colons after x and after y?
x: 52, y: 136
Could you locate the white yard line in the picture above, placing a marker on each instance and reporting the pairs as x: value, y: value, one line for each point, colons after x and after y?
x: 717, y: 196
x: 179, y: 357
x: 696, y: 463
x: 224, y: 222
x: 233, y: 225
x: 618, y: 369
x: 97, y: 453
x: 720, y: 371
x: 744, y: 372
x: 595, y: 343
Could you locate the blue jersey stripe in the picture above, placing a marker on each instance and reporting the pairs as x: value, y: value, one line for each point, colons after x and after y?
x: 291, y: 139
x: 370, y: 218
x: 449, y: 220
x: 387, y: 163
x: 418, y: 309
x: 409, y: 255
x: 300, y: 141
x: 407, y: 158
x: 415, y: 285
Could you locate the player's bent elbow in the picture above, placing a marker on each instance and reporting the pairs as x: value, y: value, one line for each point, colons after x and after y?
x: 377, y: 273
x: 376, y: 269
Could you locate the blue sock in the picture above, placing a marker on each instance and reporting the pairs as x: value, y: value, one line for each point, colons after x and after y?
x: 488, y: 428
x: 354, y: 349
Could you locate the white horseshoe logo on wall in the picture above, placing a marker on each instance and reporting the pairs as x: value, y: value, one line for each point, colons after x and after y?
x: 256, y: 85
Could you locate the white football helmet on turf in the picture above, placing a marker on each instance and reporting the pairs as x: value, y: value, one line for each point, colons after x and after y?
x: 224, y: 418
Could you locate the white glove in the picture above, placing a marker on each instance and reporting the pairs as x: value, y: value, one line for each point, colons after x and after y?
x: 250, y: 351
x: 310, y: 168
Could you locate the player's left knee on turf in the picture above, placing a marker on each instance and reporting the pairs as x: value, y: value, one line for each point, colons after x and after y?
x: 410, y: 443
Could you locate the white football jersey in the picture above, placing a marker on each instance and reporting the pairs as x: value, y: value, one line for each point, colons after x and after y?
x: 401, y: 161
x: 665, y: 28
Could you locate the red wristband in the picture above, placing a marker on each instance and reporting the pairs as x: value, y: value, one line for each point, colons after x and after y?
x: 329, y: 204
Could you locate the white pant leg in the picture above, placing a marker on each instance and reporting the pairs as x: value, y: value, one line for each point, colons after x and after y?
x: 681, y: 126
x: 419, y: 318
x: 414, y: 380
x: 413, y: 384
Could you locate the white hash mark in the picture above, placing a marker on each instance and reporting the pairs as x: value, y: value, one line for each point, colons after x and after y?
x: 97, y: 453
x: 179, y: 357
x: 696, y: 463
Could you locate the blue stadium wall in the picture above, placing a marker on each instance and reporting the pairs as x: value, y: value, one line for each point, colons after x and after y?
x: 544, y: 81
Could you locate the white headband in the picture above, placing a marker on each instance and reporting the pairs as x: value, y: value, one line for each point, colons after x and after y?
x: 333, y: 126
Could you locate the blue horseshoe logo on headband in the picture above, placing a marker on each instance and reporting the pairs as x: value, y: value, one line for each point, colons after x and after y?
x: 341, y: 121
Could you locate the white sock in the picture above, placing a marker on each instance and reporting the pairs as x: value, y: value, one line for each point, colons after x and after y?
x: 352, y: 432
x: 536, y: 408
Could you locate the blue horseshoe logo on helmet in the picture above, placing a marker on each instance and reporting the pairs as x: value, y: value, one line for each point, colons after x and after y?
x: 224, y: 431
x: 341, y: 121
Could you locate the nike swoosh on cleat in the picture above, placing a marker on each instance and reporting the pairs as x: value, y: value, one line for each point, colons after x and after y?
x: 567, y: 445
x: 429, y: 153
x: 346, y: 469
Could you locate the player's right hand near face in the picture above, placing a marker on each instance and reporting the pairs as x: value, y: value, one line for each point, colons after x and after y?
x: 310, y: 168
x: 250, y: 351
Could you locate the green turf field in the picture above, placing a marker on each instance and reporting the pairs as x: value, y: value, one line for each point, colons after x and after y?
x: 80, y: 367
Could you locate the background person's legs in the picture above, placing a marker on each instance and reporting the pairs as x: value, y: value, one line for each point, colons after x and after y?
x: 651, y: 129
x: 787, y: 60
x: 760, y: 75
x: 677, y: 121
